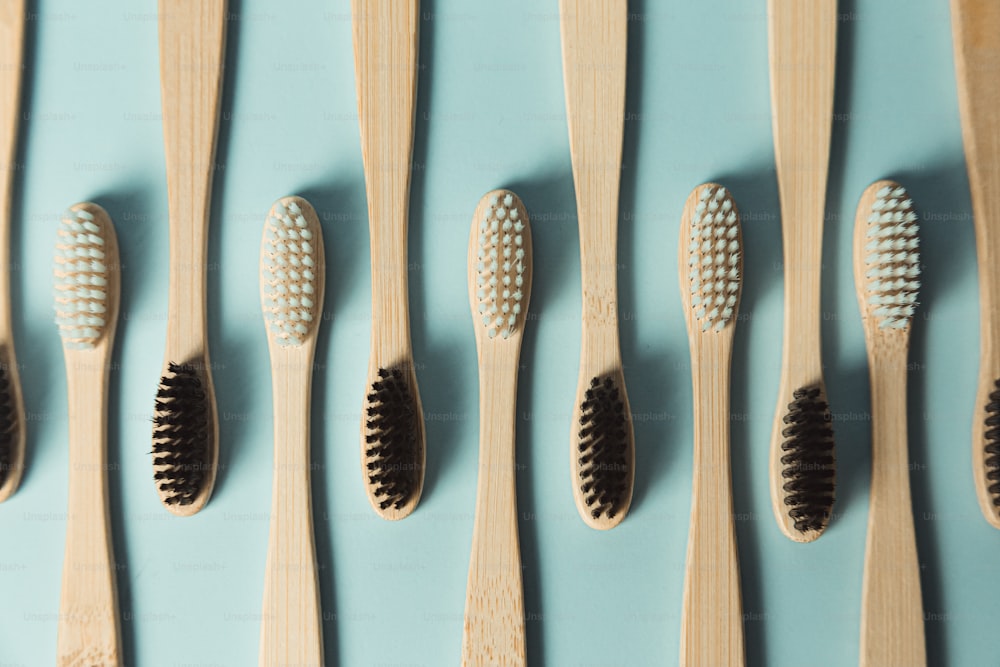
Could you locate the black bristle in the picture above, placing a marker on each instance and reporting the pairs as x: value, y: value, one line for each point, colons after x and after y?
x: 603, y: 448
x: 181, y: 434
x: 808, y: 463
x: 392, y: 457
x: 8, y: 425
x: 992, y: 447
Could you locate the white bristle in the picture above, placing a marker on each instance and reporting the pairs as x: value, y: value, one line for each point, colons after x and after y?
x: 288, y: 256
x: 504, y: 274
x: 714, y: 258
x: 892, y: 258
x: 81, y: 280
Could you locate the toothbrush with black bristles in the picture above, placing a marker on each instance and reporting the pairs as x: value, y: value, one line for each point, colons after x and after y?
x: 12, y: 418
x: 802, y: 39
x: 975, y: 27
x: 185, y: 422
x: 602, y: 442
x: 392, y: 422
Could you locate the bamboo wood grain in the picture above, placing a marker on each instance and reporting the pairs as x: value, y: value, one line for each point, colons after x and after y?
x: 975, y: 25
x: 12, y: 17
x: 594, y: 50
x: 192, y: 50
x: 291, y: 622
x: 892, y: 615
x: 802, y: 49
x: 89, y: 622
x: 385, y: 61
x: 712, y: 616
x: 494, y: 605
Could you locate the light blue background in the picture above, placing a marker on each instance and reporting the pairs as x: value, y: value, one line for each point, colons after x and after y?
x: 491, y: 114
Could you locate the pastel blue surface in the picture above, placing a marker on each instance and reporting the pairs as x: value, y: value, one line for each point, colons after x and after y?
x: 491, y: 114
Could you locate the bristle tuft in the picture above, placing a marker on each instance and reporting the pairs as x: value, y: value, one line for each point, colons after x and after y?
x: 503, y: 266
x: 808, y: 462
x: 714, y: 259
x: 603, y: 449
x: 81, y: 280
x: 8, y: 425
x: 991, y: 449
x: 181, y: 435
x: 289, y: 260
x: 892, y: 258
x: 392, y: 455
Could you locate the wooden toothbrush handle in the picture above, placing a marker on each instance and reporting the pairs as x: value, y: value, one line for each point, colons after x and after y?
x: 494, y: 603
x: 88, y: 610
x: 594, y: 54
x: 892, y: 615
x: 802, y: 47
x: 712, y: 618
x: 192, y: 51
x: 385, y: 61
x: 291, y: 630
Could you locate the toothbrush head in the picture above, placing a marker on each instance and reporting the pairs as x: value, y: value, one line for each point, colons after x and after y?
x: 86, y: 281
x: 182, y: 437
x: 291, y: 274
x: 393, y: 443
x: 500, y: 265
x: 602, y: 457
x: 714, y: 257
x: 889, y: 256
x: 807, y: 462
x: 10, y: 449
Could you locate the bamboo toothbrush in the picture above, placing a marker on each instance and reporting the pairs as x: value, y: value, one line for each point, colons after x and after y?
x: 802, y: 45
x: 976, y: 24
x: 392, y: 428
x: 499, y: 290
x: 87, y: 285
x: 291, y: 293
x: 886, y: 276
x: 185, y: 423
x: 11, y: 402
x: 711, y: 267
x: 602, y: 446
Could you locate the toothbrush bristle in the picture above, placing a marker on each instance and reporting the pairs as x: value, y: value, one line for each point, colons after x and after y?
x: 81, y: 279
x: 8, y: 425
x: 603, y: 449
x: 991, y: 450
x: 392, y: 441
x: 808, y: 461
x: 289, y: 260
x: 503, y: 265
x: 181, y: 432
x: 892, y: 258
x: 714, y: 258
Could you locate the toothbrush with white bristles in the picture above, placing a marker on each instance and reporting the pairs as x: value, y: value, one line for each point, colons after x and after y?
x: 87, y: 285
x: 291, y: 294
x: 887, y: 278
x: 711, y: 266
x: 499, y: 287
